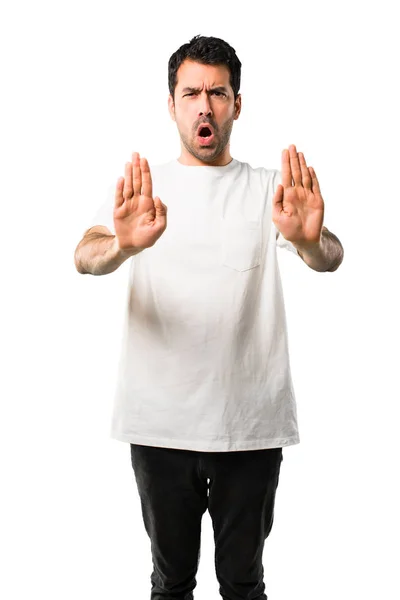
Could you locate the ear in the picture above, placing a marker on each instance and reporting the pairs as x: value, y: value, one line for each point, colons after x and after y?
x: 171, y: 107
x: 238, y: 106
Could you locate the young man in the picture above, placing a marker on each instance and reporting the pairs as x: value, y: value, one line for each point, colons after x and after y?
x: 205, y: 396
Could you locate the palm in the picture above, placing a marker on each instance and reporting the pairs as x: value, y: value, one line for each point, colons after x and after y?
x: 298, y: 210
x: 139, y: 220
x: 139, y: 207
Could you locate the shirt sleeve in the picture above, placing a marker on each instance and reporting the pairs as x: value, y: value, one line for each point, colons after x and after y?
x: 105, y: 213
x: 281, y: 242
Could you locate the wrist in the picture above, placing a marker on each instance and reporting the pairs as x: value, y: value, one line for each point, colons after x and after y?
x: 125, y: 252
x: 312, y: 250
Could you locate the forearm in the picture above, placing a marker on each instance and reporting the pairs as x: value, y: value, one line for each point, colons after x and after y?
x: 99, y: 254
x: 325, y: 256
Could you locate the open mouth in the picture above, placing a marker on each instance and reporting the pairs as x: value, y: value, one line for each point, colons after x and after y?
x: 205, y: 132
x: 205, y: 135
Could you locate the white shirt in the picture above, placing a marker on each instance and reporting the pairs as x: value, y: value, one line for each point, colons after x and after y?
x: 204, y: 362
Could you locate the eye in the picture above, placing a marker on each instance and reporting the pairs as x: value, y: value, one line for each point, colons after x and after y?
x: 219, y: 94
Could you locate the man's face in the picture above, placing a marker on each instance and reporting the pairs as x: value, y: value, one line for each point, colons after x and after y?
x: 203, y: 95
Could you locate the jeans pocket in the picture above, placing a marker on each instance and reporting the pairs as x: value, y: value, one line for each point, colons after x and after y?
x: 240, y: 244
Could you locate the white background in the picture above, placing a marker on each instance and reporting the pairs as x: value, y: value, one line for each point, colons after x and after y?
x: 85, y: 85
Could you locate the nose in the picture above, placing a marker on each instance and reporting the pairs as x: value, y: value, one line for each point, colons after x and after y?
x: 205, y: 106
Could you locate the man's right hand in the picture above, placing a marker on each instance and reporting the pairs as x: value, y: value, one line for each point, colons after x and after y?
x: 138, y: 219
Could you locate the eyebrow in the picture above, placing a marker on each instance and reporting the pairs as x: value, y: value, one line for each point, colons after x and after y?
x: 219, y: 88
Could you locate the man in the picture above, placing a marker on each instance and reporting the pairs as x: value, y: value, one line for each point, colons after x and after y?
x: 205, y: 397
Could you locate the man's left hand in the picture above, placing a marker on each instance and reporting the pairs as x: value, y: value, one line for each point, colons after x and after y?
x: 298, y: 209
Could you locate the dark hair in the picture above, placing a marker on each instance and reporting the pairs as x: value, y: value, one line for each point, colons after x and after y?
x: 208, y: 51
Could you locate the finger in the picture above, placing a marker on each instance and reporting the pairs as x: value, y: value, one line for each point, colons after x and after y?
x: 286, y: 171
x: 161, y: 210
x: 147, y: 184
x: 294, y: 165
x: 315, y: 184
x: 136, y: 177
x: 278, y: 198
x: 304, y: 172
x: 128, y: 189
x: 119, y: 198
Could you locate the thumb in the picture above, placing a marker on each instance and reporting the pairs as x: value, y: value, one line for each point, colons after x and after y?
x: 278, y: 197
x: 161, y: 208
x: 277, y: 203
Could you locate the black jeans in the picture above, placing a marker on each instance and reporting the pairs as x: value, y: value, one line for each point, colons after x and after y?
x: 173, y: 488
